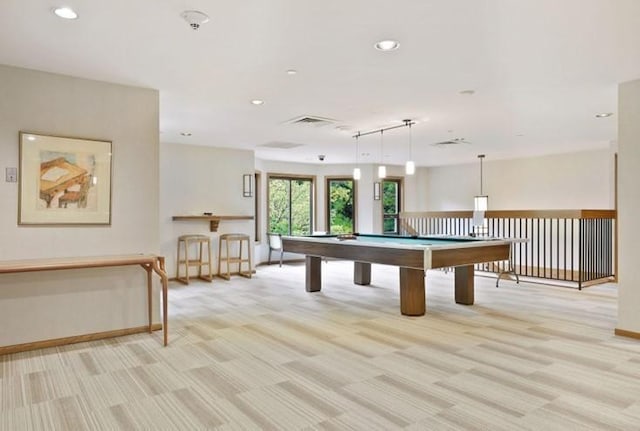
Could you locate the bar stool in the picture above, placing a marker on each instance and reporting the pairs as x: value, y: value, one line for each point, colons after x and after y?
x: 229, y: 238
x: 184, y: 241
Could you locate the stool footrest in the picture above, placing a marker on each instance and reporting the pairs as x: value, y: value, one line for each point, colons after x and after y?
x: 234, y: 259
x: 193, y: 263
x: 200, y: 277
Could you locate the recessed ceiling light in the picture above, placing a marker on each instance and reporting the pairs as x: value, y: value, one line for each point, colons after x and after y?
x: 604, y: 115
x: 387, y: 45
x: 467, y: 92
x: 291, y: 72
x: 185, y: 133
x: 257, y: 101
x: 65, y: 12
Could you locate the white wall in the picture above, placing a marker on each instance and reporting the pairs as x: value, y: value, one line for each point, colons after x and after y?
x: 629, y: 206
x: 196, y: 179
x: 66, y: 303
x: 417, y: 191
x: 561, y: 181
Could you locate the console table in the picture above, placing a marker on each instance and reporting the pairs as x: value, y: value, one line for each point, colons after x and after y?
x: 150, y: 263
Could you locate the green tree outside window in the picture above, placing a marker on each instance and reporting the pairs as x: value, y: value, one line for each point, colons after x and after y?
x: 340, y: 203
x: 290, y: 205
x: 390, y: 206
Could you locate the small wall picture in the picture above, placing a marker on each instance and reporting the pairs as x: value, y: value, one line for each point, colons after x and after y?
x: 64, y: 180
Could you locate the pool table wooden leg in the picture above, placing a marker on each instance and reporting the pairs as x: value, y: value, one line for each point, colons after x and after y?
x: 412, y: 294
x: 362, y: 273
x: 313, y: 281
x: 464, y: 284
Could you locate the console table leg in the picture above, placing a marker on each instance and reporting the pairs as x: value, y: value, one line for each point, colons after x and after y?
x: 149, y: 298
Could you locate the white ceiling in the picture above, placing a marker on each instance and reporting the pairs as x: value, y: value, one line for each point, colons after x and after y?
x: 540, y: 69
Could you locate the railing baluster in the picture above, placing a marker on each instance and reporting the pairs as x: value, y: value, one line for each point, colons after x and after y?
x: 526, y: 249
x: 558, y: 247
x: 565, y: 248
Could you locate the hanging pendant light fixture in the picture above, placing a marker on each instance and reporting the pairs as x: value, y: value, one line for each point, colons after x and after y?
x: 410, y: 166
x: 481, y: 202
x: 356, y: 171
x: 382, y: 169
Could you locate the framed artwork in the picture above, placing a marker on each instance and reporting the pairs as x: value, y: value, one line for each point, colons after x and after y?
x: 64, y: 181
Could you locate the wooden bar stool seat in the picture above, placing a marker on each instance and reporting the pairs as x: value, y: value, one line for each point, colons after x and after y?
x: 184, y: 242
x: 229, y: 259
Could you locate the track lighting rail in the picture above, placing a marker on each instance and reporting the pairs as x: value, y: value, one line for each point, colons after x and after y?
x: 407, y: 123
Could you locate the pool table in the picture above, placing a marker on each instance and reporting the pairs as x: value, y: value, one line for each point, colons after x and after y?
x: 414, y: 255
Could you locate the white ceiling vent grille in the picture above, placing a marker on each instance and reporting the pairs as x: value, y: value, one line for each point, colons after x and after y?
x: 311, y: 120
x: 456, y: 141
x: 281, y: 145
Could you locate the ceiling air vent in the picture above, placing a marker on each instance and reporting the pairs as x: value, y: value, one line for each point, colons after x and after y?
x: 281, y: 145
x: 311, y: 120
x: 456, y: 141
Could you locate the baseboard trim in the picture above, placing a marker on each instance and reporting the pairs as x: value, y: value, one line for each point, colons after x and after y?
x: 625, y: 333
x: 17, y: 348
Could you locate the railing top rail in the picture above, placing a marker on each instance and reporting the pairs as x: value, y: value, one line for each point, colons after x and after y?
x: 569, y: 213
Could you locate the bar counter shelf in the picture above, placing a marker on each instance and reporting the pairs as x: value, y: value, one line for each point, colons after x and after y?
x: 214, y: 220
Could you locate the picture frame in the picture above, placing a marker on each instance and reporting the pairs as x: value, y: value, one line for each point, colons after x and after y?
x: 64, y: 180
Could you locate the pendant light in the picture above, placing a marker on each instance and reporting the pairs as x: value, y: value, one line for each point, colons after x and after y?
x: 382, y: 169
x: 480, y: 202
x: 356, y: 171
x: 410, y: 166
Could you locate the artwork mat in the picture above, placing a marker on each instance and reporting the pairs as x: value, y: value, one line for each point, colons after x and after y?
x: 30, y: 205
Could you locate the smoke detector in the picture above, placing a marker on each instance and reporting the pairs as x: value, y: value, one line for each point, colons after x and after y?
x: 194, y: 18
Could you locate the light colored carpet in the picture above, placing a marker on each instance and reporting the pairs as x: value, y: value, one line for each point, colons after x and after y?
x: 264, y: 354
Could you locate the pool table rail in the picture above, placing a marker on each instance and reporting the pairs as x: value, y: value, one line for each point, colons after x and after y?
x: 417, y: 256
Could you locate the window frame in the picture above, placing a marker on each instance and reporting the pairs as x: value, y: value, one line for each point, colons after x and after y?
x: 400, y: 182
x: 292, y: 177
x: 327, y: 193
x: 257, y: 204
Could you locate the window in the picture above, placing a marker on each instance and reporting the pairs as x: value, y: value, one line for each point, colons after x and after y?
x: 290, y: 207
x: 391, y: 205
x: 257, y: 191
x: 341, y: 217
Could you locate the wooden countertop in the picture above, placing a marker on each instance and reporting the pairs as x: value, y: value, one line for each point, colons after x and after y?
x: 213, y: 220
